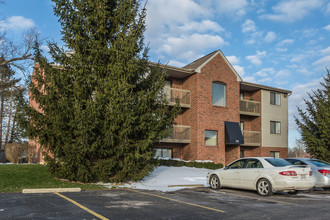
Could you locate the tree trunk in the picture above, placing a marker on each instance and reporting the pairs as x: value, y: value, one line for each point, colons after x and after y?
x: 8, y: 124
x: 1, y: 118
x: 12, y: 132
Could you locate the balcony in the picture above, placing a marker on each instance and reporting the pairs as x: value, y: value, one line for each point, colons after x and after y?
x: 251, y: 138
x: 249, y: 107
x: 183, y: 95
x: 180, y: 134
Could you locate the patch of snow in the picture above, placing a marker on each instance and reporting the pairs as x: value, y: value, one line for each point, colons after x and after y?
x: 164, y: 176
x: 178, y: 159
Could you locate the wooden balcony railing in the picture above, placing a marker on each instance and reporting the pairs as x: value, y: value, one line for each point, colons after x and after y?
x: 179, y: 134
x: 183, y: 95
x: 251, y: 138
x: 249, y: 107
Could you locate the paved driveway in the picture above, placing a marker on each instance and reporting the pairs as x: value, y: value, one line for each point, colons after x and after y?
x: 200, y: 203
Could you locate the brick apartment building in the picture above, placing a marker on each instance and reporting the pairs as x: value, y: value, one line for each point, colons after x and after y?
x: 223, y: 118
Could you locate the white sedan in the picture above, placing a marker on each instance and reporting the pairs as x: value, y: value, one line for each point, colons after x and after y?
x: 266, y: 175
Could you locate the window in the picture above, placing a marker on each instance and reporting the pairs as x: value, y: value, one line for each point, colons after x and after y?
x: 275, y: 154
x: 241, y: 124
x: 218, y: 94
x: 253, y: 163
x: 319, y: 163
x: 242, y: 154
x: 295, y: 162
x: 163, y: 152
x: 241, y: 95
x: 168, y: 83
x: 275, y: 98
x: 237, y: 165
x: 276, y: 162
x: 211, y: 138
x: 275, y: 127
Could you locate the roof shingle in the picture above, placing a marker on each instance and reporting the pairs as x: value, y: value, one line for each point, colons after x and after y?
x: 197, y: 63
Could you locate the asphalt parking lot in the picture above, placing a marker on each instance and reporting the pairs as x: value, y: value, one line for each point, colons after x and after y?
x: 198, y: 203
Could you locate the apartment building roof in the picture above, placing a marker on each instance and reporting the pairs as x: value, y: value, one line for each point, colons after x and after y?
x: 253, y: 87
x: 197, y: 65
x: 175, y: 72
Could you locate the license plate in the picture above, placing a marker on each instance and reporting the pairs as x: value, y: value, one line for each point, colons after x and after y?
x: 303, y: 177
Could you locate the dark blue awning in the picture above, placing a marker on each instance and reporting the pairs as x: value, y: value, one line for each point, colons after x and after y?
x: 233, y: 133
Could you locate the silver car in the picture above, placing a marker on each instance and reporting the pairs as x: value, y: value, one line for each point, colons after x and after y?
x: 321, y: 170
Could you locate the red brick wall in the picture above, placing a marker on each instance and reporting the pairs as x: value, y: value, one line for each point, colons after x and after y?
x: 232, y: 153
x: 203, y: 116
x: 35, y: 105
x: 264, y: 151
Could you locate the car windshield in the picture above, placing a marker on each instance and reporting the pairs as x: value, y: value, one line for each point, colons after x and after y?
x: 320, y: 163
x: 276, y: 162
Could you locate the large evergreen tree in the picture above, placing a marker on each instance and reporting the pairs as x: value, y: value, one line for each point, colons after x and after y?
x: 314, y: 123
x: 103, y: 108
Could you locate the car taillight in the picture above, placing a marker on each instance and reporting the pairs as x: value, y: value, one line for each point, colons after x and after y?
x: 310, y: 173
x: 324, y: 172
x: 288, y: 173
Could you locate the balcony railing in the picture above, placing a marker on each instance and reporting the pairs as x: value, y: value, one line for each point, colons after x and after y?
x: 183, y: 95
x: 249, y: 107
x: 179, y: 134
x: 251, y: 138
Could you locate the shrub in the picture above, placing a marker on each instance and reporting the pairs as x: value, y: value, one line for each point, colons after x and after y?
x: 30, y: 153
x: 14, y: 152
x: 181, y: 163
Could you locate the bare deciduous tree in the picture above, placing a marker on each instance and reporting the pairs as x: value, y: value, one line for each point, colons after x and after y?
x: 299, y: 150
x: 17, y: 55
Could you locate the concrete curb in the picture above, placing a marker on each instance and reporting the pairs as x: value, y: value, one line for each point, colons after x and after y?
x: 51, y: 190
x: 193, y: 185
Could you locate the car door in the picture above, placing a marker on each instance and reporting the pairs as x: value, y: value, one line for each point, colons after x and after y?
x: 250, y: 173
x: 230, y: 175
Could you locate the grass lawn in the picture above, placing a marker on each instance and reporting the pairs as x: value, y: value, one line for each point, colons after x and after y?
x: 16, y: 177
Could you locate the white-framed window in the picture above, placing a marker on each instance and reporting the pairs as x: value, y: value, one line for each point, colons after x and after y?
x: 218, y: 94
x: 275, y: 154
x: 275, y: 127
x: 211, y: 138
x: 241, y: 124
x: 241, y: 95
x: 168, y: 83
x: 242, y: 154
x: 275, y: 98
x: 163, y: 152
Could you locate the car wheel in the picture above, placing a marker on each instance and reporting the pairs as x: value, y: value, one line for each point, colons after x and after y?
x: 264, y: 187
x: 215, y: 182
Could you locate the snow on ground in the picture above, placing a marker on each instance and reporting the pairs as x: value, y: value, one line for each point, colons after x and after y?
x: 164, y: 176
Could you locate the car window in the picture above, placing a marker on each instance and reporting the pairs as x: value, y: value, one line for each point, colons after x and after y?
x: 253, y: 163
x: 237, y: 165
x: 277, y: 162
x: 296, y: 162
x: 320, y: 163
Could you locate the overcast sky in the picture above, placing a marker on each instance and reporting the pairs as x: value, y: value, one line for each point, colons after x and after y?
x: 282, y: 43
